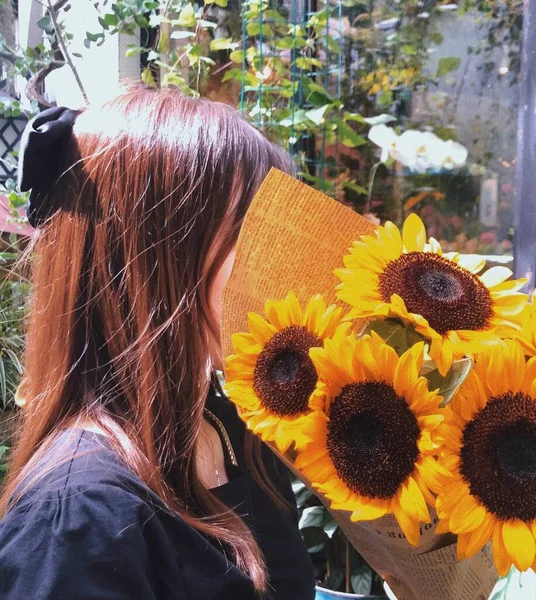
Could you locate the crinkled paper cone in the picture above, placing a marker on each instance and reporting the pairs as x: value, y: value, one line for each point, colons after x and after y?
x: 429, y: 571
x: 293, y: 237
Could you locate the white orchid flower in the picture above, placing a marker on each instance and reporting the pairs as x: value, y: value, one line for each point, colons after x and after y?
x: 455, y: 155
x: 418, y: 150
x: 387, y: 139
x: 437, y: 151
x: 414, y: 149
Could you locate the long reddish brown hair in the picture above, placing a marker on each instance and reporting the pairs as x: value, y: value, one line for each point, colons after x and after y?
x: 153, y: 191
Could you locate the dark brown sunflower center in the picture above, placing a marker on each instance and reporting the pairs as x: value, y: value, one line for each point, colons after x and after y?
x: 284, y: 375
x: 448, y: 296
x: 498, y: 456
x: 285, y: 367
x: 443, y: 287
x: 372, y: 438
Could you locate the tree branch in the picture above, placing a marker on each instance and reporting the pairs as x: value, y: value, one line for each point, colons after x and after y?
x: 52, y: 12
x: 35, y: 84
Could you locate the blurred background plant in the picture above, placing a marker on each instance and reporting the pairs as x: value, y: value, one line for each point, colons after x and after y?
x: 314, y: 75
x: 12, y: 314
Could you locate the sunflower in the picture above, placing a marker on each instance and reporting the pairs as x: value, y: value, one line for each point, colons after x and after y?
x: 373, y: 452
x: 490, y: 449
x: 440, y: 295
x: 271, y: 377
x: 527, y: 336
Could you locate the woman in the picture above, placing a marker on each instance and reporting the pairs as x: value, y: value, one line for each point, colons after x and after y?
x: 131, y: 477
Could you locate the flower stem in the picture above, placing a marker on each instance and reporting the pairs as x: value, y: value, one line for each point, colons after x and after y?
x: 371, y: 183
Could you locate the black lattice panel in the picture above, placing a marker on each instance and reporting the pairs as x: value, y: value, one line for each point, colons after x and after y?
x: 10, y: 133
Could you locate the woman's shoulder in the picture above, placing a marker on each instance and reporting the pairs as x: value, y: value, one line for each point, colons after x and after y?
x: 79, y: 488
x: 82, y: 512
x: 79, y: 465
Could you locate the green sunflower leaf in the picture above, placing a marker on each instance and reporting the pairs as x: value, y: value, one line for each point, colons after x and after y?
x: 395, y: 333
x: 449, y: 384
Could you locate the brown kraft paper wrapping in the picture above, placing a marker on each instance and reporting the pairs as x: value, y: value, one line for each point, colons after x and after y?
x: 293, y: 237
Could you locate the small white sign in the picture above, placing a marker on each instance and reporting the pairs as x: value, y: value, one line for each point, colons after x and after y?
x: 489, y: 200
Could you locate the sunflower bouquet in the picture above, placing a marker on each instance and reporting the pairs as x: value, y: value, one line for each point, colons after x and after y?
x: 404, y: 403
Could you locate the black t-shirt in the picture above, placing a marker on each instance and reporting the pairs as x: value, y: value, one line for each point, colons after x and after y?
x: 91, y: 530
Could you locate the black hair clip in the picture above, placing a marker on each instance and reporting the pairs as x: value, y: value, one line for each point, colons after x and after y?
x: 42, y: 145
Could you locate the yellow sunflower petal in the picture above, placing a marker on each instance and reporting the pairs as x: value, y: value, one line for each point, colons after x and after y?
x: 519, y: 543
x: 495, y: 380
x: 414, y: 234
x: 434, y: 246
x: 330, y: 322
x: 530, y: 377
x: 386, y: 357
x: 433, y: 474
x: 410, y: 527
x: 314, y: 310
x: 420, y: 400
x: 326, y: 363
x: 412, y: 501
x: 442, y: 353
x: 461, y: 548
x: 338, y: 493
x: 495, y: 276
x: 273, y: 310
x: 472, y: 262
x: 307, y: 429
x: 260, y: 329
x: 368, y: 512
x: 389, y: 236
x: 450, y: 498
x: 467, y: 515
x: 308, y: 461
x: 429, y: 498
x: 471, y: 396
x: 408, y: 368
x: 294, y: 309
x: 515, y: 367
x: 442, y: 527
x: 508, y: 304
x: 244, y: 344
x: 282, y: 439
x: 501, y: 558
x: 477, y: 538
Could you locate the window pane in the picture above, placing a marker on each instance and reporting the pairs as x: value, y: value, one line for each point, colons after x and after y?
x: 452, y: 71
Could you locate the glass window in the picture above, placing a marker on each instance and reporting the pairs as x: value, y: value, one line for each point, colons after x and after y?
x: 448, y: 75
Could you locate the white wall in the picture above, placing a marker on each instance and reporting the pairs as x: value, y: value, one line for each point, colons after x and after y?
x: 101, y: 69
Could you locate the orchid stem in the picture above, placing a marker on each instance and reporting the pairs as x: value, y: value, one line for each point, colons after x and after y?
x: 371, y: 183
